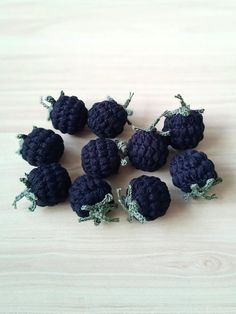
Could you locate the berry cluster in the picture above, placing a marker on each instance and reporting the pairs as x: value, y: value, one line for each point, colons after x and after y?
x: 147, y: 197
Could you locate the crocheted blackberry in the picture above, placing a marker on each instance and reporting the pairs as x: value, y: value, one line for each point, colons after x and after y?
x: 91, y: 198
x: 147, y: 198
x: 194, y: 174
x: 68, y: 114
x: 103, y: 157
x: 185, y: 125
x: 41, y: 146
x: 107, y: 118
x: 46, y: 185
x: 148, y: 149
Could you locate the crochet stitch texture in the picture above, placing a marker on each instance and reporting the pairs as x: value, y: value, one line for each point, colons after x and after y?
x: 193, y: 168
x: 185, y: 125
x: 46, y: 185
x: 41, y: 146
x: 68, y: 114
x: 148, y: 150
x: 50, y: 184
x: 107, y: 118
x: 100, y: 158
x: 152, y: 196
x: 87, y: 190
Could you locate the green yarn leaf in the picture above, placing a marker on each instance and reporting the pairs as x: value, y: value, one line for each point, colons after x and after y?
x: 184, y: 109
x: 98, y: 212
x: 130, y: 206
x: 202, y: 192
x: 126, y: 104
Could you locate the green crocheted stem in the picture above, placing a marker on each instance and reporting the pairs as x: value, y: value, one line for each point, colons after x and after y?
x: 153, y: 127
x: 29, y: 196
x: 48, y: 102
x: 202, y: 192
x: 122, y: 148
x: 21, y: 138
x: 130, y: 206
x: 184, y: 109
x: 126, y: 104
x: 98, y: 212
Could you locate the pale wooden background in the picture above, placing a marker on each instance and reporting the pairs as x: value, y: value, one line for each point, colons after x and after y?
x: 183, y: 263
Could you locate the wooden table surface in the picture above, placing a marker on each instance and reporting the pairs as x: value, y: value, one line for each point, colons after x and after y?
x: 183, y: 263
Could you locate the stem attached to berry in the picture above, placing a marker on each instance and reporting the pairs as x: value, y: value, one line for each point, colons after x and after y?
x: 202, y: 192
x: 98, y: 212
x: 184, y: 109
x: 130, y: 206
x: 122, y: 148
x: 48, y: 102
x: 21, y: 138
x: 27, y: 194
x: 152, y: 127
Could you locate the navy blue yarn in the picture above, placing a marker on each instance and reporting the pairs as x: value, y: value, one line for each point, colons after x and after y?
x: 69, y: 114
x: 107, y: 118
x: 49, y: 183
x: 42, y: 146
x: 148, y: 150
x: 100, y: 158
x: 87, y: 190
x: 185, y: 131
x: 152, y: 195
x: 191, y: 167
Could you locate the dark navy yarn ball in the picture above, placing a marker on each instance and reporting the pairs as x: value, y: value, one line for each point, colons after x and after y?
x: 185, y: 131
x: 69, y: 114
x: 49, y: 183
x: 191, y: 167
x: 107, y: 118
x: 100, y: 158
x: 148, y: 150
x: 87, y: 190
x: 152, y: 195
x: 41, y: 146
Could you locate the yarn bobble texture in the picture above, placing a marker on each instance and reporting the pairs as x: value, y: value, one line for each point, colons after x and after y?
x: 46, y: 185
x: 147, y: 198
x: 92, y: 199
x: 41, y: 146
x: 101, y: 157
x: 194, y: 174
x: 68, y: 114
x: 107, y: 118
x: 148, y: 148
x: 185, y: 125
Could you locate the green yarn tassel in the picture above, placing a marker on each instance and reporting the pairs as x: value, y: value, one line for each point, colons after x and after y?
x: 130, y: 206
x: 126, y: 104
x: 202, y: 192
x: 122, y: 148
x: 98, y: 212
x: 184, y: 110
x: 48, y: 103
x: 28, y: 195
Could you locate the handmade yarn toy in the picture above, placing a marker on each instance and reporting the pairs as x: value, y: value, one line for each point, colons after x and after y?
x: 46, y: 185
x: 148, y: 148
x: 107, y: 118
x: 147, y: 198
x: 41, y: 146
x: 194, y: 174
x: 103, y: 157
x: 92, y: 199
x: 185, y: 125
x: 68, y: 114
